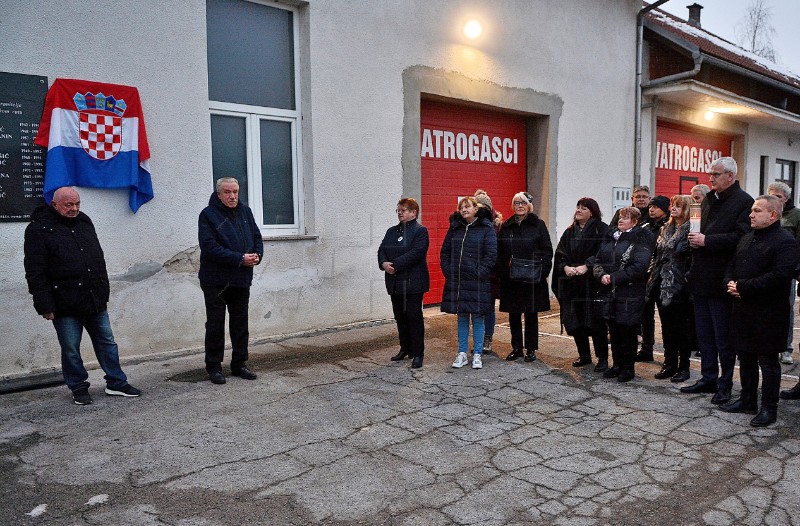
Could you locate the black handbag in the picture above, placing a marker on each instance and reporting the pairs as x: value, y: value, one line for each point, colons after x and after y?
x: 526, y: 270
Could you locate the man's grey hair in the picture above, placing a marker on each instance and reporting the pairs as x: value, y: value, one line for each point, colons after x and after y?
x: 223, y: 180
x: 728, y: 165
x: 774, y: 204
x: 701, y: 187
x: 640, y: 188
x: 780, y: 186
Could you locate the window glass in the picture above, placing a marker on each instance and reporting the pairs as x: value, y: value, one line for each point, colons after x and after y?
x: 276, y: 172
x: 250, y: 54
x: 229, y: 150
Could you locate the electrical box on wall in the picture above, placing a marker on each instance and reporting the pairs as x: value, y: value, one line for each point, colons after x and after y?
x: 620, y: 197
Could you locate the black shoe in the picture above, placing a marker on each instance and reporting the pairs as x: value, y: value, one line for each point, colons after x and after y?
x: 216, y: 377
x: 644, y: 356
x: 764, y: 418
x: 626, y: 375
x: 126, y: 390
x: 81, y: 397
x: 400, y: 356
x: 791, y: 394
x: 516, y: 353
x: 531, y: 355
x: 681, y: 376
x: 721, y: 397
x: 580, y: 362
x: 613, y: 372
x: 601, y: 367
x: 739, y: 406
x: 416, y: 363
x: 666, y: 372
x: 700, y: 387
x: 244, y: 373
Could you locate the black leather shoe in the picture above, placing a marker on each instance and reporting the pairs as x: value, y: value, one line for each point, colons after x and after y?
x: 791, y: 394
x: 399, y: 356
x: 764, y: 418
x: 245, y: 373
x: 516, y: 353
x: 666, y: 372
x: 700, y: 387
x: 613, y: 372
x: 216, y: 377
x: 739, y: 406
x: 721, y: 397
x: 416, y: 363
x: 530, y: 356
x: 681, y: 376
x: 601, y: 367
x: 644, y: 356
x: 626, y: 375
x: 580, y: 362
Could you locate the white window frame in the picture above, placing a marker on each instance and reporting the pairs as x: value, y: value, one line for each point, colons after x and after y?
x: 253, y: 116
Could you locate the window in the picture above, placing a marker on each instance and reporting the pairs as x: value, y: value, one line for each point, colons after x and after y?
x: 785, y: 172
x: 255, y: 107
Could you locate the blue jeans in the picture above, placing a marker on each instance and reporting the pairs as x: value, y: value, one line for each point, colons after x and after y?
x: 478, y: 328
x: 712, y: 323
x: 70, y: 330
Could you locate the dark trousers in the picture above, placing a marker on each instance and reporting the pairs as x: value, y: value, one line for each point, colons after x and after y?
x: 599, y: 339
x: 407, y: 310
x: 531, y: 341
x: 649, y: 326
x: 675, y: 332
x: 236, y: 300
x: 770, y: 365
x: 717, y: 359
x: 623, y: 345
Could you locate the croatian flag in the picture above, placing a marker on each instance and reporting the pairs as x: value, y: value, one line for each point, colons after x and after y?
x: 95, y: 137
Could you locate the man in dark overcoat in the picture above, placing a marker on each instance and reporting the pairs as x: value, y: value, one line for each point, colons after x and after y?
x: 725, y: 219
x: 66, y: 273
x: 757, y: 279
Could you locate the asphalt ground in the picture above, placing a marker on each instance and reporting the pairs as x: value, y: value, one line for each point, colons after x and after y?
x: 334, y: 433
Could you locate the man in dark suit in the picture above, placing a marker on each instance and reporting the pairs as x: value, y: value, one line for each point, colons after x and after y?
x: 725, y: 219
x: 757, y: 279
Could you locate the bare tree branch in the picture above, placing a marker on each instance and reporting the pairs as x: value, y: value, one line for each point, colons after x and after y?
x: 754, y: 31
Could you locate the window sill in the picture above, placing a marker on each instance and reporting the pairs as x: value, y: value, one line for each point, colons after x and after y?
x: 290, y: 238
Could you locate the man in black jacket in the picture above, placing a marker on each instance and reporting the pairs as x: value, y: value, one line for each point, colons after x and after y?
x: 66, y: 273
x: 230, y: 246
x: 757, y: 280
x: 724, y: 220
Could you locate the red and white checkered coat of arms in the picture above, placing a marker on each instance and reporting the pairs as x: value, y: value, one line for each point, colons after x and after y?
x: 100, y: 135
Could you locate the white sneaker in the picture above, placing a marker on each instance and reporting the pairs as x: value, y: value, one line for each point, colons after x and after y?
x: 461, y: 360
x: 477, y: 361
x: 786, y: 357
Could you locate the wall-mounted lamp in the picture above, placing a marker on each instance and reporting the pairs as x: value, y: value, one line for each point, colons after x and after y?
x: 473, y: 29
x: 709, y: 116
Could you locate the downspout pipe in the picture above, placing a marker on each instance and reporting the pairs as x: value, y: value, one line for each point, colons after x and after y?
x: 637, y: 124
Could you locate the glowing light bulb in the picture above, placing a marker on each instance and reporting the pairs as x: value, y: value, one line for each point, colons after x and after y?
x: 473, y: 29
x: 709, y: 115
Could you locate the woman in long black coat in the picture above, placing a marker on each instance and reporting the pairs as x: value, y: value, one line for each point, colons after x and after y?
x: 402, y: 256
x: 621, y: 266
x: 575, y: 287
x: 524, y: 236
x: 468, y: 254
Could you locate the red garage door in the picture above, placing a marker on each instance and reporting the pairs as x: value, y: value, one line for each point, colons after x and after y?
x: 684, y: 157
x: 463, y: 149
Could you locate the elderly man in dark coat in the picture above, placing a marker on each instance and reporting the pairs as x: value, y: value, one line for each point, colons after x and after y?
x: 724, y: 221
x: 757, y: 279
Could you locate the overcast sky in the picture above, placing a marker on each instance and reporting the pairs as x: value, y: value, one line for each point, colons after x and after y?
x: 721, y: 17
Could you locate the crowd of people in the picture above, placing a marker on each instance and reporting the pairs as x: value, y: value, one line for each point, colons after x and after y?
x: 719, y: 284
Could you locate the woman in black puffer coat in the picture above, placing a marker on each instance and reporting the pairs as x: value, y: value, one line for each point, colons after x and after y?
x: 524, y: 236
x: 468, y: 254
x: 621, y: 266
x: 575, y: 287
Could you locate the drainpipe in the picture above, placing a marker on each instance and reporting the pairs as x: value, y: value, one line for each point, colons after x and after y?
x: 637, y: 145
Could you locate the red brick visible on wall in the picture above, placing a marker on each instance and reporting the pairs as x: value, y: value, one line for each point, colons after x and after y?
x: 445, y: 180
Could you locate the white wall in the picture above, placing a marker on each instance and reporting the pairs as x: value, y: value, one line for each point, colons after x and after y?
x: 354, y: 55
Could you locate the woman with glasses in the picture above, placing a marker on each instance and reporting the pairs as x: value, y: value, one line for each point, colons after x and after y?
x: 621, y: 268
x: 402, y: 257
x: 576, y: 288
x: 524, y: 237
x: 468, y: 254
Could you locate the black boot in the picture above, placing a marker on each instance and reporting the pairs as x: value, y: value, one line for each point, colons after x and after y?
x: 681, y: 376
x: 530, y: 356
x: 666, y: 372
x: 626, y: 374
x: 516, y: 353
x: 400, y: 356
x: 645, y: 355
x: 416, y: 363
x: 765, y: 417
x: 613, y: 372
x: 791, y: 394
x: 741, y: 405
x: 601, y: 367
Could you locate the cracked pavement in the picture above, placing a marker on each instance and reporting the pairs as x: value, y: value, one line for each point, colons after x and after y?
x: 333, y: 433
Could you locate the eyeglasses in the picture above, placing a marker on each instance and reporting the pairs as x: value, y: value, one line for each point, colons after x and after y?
x: 520, y: 203
x: 403, y: 210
